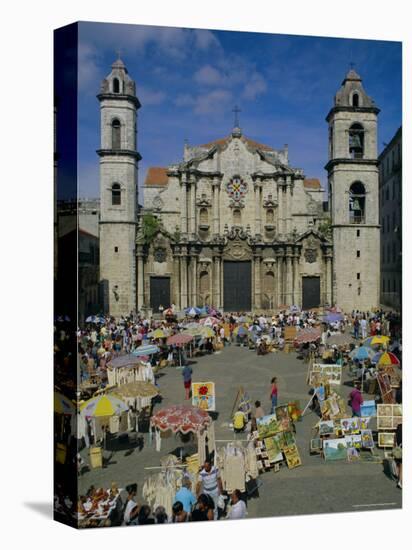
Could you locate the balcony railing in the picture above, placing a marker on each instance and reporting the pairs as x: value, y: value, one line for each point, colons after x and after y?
x: 360, y: 218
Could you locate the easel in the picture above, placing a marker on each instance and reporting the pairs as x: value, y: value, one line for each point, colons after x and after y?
x: 241, y: 398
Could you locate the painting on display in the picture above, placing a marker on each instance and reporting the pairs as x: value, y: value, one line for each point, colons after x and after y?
x: 268, y: 425
x: 289, y: 438
x: 326, y: 427
x: 272, y: 444
x: 316, y: 445
x: 385, y: 388
x: 282, y: 416
x: 292, y: 456
x: 386, y: 439
x: 335, y: 449
x: 367, y: 439
x: 353, y: 454
x: 368, y: 408
x: 385, y: 423
x: 203, y: 395
x: 331, y: 373
x: 364, y: 422
x: 354, y: 441
x: 350, y: 425
x: 294, y: 410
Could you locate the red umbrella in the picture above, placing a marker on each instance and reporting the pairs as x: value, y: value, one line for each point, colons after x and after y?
x: 179, y: 339
x: 181, y: 418
x: 308, y: 335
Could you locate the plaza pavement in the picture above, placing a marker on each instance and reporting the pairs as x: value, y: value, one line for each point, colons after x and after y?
x: 315, y: 487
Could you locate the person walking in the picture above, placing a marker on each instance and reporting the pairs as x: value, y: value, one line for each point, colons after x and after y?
x: 210, y: 483
x: 364, y: 326
x: 274, y: 394
x: 356, y: 400
x: 187, y: 380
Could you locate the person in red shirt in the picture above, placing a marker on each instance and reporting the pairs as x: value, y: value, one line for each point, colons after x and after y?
x: 356, y: 400
x: 274, y: 394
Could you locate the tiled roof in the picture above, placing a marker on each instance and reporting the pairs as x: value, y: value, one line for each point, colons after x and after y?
x: 250, y: 142
x: 311, y: 183
x: 156, y: 175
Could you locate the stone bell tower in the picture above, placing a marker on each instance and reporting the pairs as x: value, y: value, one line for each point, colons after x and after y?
x: 354, y: 196
x: 118, y: 190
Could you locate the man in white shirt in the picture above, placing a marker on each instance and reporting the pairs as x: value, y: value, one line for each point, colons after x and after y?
x: 210, y: 483
x: 238, y: 508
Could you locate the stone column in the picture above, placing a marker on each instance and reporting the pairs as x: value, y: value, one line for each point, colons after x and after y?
x: 279, y: 261
x: 140, y: 278
x: 257, y: 280
x: 296, y: 294
x: 216, y: 281
x: 183, y: 205
x: 289, y: 277
x: 193, y: 263
x: 288, y: 200
x: 192, y: 207
x: 183, y: 280
x: 328, y: 278
x: 216, y: 205
x: 176, y: 281
x: 258, y: 216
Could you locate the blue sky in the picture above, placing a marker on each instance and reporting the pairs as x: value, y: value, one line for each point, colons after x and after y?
x: 188, y: 81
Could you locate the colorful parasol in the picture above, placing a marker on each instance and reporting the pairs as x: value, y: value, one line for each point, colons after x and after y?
x: 376, y: 341
x: 179, y: 339
x: 244, y: 319
x: 181, y: 418
x: 207, y: 332
x: 192, y: 311
x: 145, y: 350
x: 124, y: 361
x: 382, y: 359
x: 209, y: 321
x: 194, y: 331
x: 103, y: 405
x: 158, y: 333
x: 308, y: 335
x: 362, y: 353
x: 63, y: 405
x: 135, y: 389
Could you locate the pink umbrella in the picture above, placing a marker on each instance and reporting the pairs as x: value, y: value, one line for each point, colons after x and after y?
x: 308, y: 335
x: 179, y: 339
x: 209, y: 321
x: 181, y: 418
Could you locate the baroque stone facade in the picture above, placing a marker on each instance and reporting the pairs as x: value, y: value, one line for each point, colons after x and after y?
x: 235, y: 225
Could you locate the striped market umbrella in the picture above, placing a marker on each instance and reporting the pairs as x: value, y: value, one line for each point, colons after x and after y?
x: 103, y: 405
x: 207, y: 332
x: 145, y: 350
x: 63, y: 405
x: 376, y: 341
x: 209, y: 321
x: 382, y: 359
x: 179, y: 339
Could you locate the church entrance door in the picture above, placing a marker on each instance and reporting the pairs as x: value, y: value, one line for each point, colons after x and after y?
x: 159, y: 293
x: 310, y: 292
x: 237, y: 286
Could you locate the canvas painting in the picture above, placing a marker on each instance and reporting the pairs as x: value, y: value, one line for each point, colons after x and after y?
x: 282, y: 416
x: 273, y: 456
x: 368, y: 408
x: 397, y: 410
x: 335, y: 449
x: 333, y: 406
x: 268, y: 425
x: 292, y: 456
x: 294, y: 410
x: 367, y: 439
x: 396, y: 420
x: 350, y: 425
x: 352, y: 454
x: 364, y: 422
x: 203, y: 395
x: 385, y: 423
x: 289, y: 438
x: 326, y: 427
x: 272, y: 444
x: 385, y: 410
x: 316, y: 444
x: 386, y: 439
x: 354, y: 440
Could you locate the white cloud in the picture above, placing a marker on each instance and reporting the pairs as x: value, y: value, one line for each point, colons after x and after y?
x: 208, y: 75
x: 213, y: 102
x: 205, y: 39
x: 255, y: 86
x: 89, y: 74
x: 185, y: 100
x: 150, y: 97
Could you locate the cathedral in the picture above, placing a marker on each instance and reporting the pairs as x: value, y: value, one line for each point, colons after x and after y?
x: 233, y: 224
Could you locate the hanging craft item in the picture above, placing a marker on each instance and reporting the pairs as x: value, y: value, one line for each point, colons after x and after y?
x: 203, y: 395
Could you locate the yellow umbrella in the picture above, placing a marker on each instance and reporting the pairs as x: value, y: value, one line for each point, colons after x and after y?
x: 103, y: 405
x: 207, y: 332
x: 376, y: 340
x: 158, y: 333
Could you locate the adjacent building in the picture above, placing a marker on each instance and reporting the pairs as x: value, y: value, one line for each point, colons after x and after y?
x: 390, y: 193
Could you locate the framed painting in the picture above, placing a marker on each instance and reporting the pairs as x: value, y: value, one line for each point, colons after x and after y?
x: 396, y: 420
x: 354, y: 440
x: 292, y: 456
x: 272, y: 444
x: 273, y: 456
x: 316, y: 445
x: 368, y: 408
x: 397, y: 410
x: 350, y: 425
x: 335, y: 449
x: 326, y: 427
x: 268, y: 425
x: 364, y: 422
x: 282, y: 416
x: 367, y: 439
x: 294, y: 410
x: 352, y: 454
x: 385, y: 423
x: 386, y: 439
x: 289, y: 438
x: 203, y: 395
x: 385, y: 410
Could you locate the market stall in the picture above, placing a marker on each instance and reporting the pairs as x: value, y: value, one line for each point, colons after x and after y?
x: 125, y: 369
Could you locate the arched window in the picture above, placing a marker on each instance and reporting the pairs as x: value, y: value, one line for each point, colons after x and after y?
x: 357, y: 203
x: 356, y: 141
x: 116, y: 134
x: 237, y: 217
x: 270, y: 216
x: 116, y: 85
x: 116, y: 194
x: 203, y: 216
x: 355, y: 100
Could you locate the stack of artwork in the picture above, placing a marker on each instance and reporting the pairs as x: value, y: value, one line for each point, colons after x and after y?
x: 325, y: 374
x: 385, y: 388
x: 389, y: 416
x: 275, y: 438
